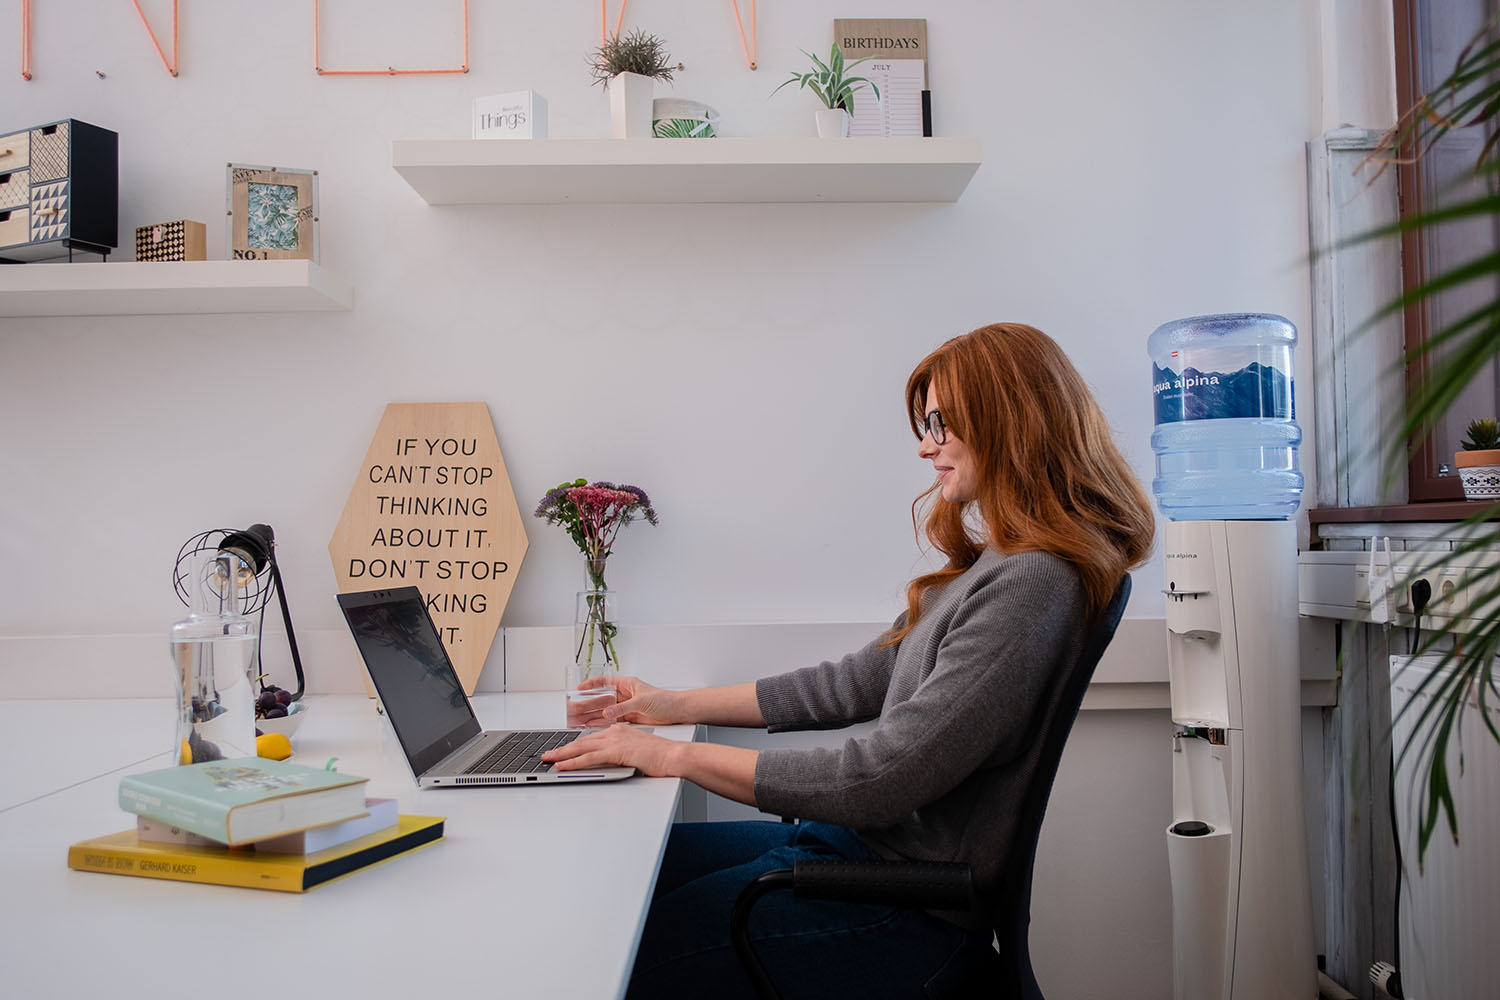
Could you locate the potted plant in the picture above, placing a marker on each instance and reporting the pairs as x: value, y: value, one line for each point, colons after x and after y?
x: 1478, y: 463
x: 632, y: 64
x: 830, y: 82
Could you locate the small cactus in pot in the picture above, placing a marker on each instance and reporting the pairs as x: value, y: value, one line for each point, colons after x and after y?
x: 1479, y: 462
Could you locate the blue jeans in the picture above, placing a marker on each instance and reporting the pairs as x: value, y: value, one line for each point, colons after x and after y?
x: 810, y: 947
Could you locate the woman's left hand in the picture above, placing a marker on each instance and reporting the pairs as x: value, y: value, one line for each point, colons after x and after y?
x: 620, y: 745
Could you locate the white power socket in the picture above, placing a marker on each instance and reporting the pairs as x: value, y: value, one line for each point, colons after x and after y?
x: 1453, y: 596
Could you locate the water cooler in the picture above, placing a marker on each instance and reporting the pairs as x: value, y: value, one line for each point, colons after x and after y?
x: 1227, y: 480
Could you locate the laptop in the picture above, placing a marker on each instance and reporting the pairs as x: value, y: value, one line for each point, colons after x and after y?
x: 421, y: 695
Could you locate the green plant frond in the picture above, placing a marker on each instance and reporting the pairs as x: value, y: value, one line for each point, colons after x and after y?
x: 1450, y: 378
x: 828, y: 80
x: 1453, y: 103
x: 637, y: 52
x: 1455, y: 330
x: 1461, y: 113
x: 1477, y: 63
x: 1429, y: 699
x: 1481, y: 205
x: 1439, y: 790
x: 1483, y: 266
x: 1448, y: 381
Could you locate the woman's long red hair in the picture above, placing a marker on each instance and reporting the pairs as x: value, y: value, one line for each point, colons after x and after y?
x: 1050, y: 475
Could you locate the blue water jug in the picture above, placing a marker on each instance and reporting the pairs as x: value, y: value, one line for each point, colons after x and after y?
x: 1226, y: 427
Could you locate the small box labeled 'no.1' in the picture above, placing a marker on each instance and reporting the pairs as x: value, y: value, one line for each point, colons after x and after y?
x: 521, y: 115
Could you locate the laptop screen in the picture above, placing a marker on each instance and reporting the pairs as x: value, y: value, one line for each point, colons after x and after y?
x: 409, y: 667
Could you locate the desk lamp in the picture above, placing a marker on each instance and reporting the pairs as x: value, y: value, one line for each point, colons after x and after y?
x: 253, y: 553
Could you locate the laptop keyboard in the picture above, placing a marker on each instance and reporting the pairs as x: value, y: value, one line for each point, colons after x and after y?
x: 520, y: 753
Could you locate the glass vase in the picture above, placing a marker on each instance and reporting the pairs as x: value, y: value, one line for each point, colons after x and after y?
x: 589, y: 686
x: 213, y: 650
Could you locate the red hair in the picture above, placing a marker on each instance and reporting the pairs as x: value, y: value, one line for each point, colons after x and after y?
x: 1050, y: 476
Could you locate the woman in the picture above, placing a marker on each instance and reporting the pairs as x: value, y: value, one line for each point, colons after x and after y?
x: 1040, y: 518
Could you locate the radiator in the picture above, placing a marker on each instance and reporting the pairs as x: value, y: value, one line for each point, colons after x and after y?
x: 1450, y: 907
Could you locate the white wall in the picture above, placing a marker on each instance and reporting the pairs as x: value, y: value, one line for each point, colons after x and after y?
x: 744, y: 364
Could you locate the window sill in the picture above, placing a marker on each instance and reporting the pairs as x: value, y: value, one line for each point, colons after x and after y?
x: 1429, y: 513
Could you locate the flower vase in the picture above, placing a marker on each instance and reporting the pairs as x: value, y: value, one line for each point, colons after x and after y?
x: 589, y: 686
x: 630, y: 105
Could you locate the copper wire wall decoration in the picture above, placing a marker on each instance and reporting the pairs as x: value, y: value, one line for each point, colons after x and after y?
x: 749, y: 46
x: 26, y: 39
x: 171, y: 64
x: 747, y: 42
x: 389, y: 70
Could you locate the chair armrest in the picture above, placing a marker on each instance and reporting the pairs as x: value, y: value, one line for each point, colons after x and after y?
x: 931, y: 885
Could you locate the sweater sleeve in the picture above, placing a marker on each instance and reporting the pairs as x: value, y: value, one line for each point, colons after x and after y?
x: 991, y: 672
x: 830, y: 695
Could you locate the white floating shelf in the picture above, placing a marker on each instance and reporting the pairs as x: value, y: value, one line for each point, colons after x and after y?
x: 134, y: 288
x: 686, y: 171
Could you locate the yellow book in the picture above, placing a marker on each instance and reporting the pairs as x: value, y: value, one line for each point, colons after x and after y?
x: 125, y: 853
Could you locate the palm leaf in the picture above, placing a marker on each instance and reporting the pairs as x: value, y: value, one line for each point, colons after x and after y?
x: 1469, y: 97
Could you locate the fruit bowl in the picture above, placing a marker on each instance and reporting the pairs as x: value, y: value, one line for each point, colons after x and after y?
x: 286, y: 725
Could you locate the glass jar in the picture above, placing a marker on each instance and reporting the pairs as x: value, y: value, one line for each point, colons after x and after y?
x: 214, y: 653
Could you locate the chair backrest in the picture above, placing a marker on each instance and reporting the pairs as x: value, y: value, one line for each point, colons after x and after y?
x: 1013, y: 911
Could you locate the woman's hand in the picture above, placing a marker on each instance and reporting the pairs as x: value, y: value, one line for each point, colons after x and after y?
x: 617, y: 745
x: 635, y: 701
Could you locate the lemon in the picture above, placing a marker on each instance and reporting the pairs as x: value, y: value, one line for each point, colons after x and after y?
x: 273, y: 745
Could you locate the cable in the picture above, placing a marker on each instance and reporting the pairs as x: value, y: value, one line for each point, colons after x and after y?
x: 1384, y: 974
x: 1421, y: 596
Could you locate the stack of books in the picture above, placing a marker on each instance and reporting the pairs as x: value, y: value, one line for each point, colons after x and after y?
x: 252, y: 822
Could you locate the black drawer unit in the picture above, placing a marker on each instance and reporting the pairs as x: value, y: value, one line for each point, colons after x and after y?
x: 59, y: 191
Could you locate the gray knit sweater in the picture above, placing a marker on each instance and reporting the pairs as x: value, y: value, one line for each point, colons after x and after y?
x: 941, y: 777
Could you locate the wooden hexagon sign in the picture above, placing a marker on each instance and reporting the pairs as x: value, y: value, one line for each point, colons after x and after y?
x: 433, y: 508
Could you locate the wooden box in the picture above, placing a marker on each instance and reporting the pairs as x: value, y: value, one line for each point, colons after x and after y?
x: 180, y: 239
x: 59, y: 191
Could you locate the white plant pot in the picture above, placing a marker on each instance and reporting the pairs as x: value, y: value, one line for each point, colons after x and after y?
x: 833, y: 123
x: 1479, y: 471
x: 630, y: 106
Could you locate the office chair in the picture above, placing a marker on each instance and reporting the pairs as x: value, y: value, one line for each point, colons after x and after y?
x: 949, y: 885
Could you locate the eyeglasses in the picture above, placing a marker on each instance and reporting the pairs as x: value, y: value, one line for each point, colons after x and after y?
x: 933, y: 424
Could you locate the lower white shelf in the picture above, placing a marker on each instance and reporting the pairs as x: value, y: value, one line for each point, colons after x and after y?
x: 135, y: 288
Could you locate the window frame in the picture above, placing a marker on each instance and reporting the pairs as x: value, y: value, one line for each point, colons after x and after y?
x: 1424, y: 485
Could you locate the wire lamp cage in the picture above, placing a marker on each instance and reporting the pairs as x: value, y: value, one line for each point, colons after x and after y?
x: 254, y: 552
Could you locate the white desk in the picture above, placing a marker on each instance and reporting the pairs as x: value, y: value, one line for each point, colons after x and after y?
x: 535, y: 892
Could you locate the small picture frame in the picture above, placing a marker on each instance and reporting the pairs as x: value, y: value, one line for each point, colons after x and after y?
x: 273, y: 213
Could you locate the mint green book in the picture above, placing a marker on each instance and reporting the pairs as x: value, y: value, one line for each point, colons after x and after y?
x: 243, y: 799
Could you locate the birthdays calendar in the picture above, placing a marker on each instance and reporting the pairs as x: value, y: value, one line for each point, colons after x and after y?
x: 896, y: 54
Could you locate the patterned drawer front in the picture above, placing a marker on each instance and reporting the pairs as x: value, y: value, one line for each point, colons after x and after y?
x: 13, y: 149
x: 15, y: 189
x: 49, y: 211
x: 49, y: 152
x: 15, y: 227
